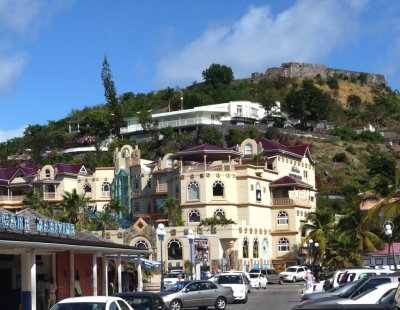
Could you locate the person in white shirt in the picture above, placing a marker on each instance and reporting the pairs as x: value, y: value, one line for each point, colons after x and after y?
x: 51, y: 288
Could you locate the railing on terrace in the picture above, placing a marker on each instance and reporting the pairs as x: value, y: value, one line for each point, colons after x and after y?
x: 50, y: 196
x: 202, y: 167
x: 162, y: 188
x: 19, y: 198
x: 290, y: 202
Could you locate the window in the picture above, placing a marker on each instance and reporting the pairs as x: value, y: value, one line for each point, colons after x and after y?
x: 248, y: 149
x: 239, y: 110
x: 20, y: 174
x: 141, y: 244
x: 283, y: 245
x: 219, y: 213
x: 87, y: 188
x: 305, y: 174
x: 174, y: 250
x: 47, y: 174
x: 258, y: 192
x: 255, y: 248
x: 113, y: 306
x: 193, y: 191
x: 149, y: 183
x: 218, y: 189
x: 106, y: 189
x: 283, y: 218
x: 168, y: 163
x: 194, y: 216
x: 122, y: 305
x: 245, y: 248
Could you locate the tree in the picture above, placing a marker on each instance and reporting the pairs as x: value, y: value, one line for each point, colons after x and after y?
x: 110, y: 94
x: 74, y: 209
x: 211, y: 135
x: 212, y: 222
x: 341, y: 253
x: 174, y: 212
x: 34, y: 199
x: 217, y: 75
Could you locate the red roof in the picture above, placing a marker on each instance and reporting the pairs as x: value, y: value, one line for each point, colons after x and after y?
x: 289, y: 181
x: 298, y: 150
x: 71, y: 168
x: 205, y: 149
x: 385, y: 251
x: 7, y: 174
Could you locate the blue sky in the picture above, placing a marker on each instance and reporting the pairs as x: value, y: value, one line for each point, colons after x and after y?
x: 51, y: 52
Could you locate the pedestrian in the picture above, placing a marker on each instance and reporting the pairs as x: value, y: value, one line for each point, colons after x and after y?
x: 51, y: 287
x: 111, y: 289
x: 310, y: 280
x: 77, y: 286
x: 41, y: 293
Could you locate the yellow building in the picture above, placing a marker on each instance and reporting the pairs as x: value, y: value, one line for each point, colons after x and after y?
x: 266, y: 188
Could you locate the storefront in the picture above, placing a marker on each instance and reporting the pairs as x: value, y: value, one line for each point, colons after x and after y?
x: 34, y: 248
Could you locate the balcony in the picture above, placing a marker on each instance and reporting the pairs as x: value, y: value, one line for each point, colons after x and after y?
x: 202, y: 167
x: 12, y: 199
x: 286, y: 201
x: 50, y: 196
x: 162, y: 188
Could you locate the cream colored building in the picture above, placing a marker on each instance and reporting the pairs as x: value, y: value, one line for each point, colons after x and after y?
x: 266, y: 188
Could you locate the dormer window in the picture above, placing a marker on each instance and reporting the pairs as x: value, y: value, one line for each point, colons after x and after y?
x: 83, y: 170
x: 20, y: 174
x: 47, y: 174
x: 248, y: 149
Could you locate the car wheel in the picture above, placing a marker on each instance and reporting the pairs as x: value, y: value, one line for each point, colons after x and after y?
x: 175, y: 305
x: 266, y: 283
x: 220, y: 303
x: 244, y: 300
x: 294, y: 280
x: 280, y: 281
x: 259, y: 285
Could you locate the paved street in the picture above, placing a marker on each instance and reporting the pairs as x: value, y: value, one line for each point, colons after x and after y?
x: 277, y: 297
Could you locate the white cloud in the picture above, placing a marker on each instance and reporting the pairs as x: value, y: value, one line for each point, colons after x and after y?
x: 11, y: 70
x: 12, y: 133
x: 306, y: 32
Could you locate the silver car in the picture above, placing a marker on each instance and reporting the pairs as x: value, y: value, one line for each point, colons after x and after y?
x: 201, y: 294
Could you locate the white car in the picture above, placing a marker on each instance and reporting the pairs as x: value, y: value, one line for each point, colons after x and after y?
x: 258, y: 280
x: 293, y: 274
x: 172, y: 278
x: 371, y: 296
x: 92, y: 302
x: 237, y: 281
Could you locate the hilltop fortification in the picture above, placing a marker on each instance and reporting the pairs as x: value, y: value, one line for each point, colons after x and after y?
x: 305, y: 70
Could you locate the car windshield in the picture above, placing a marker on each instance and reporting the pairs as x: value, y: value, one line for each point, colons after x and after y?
x: 176, y: 287
x: 230, y: 279
x: 139, y: 302
x: 291, y: 269
x: 253, y: 276
x: 80, y: 306
x: 350, y: 287
x: 388, y: 298
x: 173, y: 275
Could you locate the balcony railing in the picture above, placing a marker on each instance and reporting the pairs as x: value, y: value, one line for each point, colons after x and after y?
x: 285, y: 201
x: 202, y: 167
x: 162, y: 188
x: 19, y: 198
x: 50, y: 196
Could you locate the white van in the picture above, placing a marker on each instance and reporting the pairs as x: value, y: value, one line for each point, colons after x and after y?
x: 235, y: 280
x: 349, y: 275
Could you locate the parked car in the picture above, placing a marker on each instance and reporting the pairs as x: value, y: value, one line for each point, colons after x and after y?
x: 172, y: 278
x: 237, y: 281
x: 271, y: 274
x: 245, y: 275
x: 293, y: 274
x: 205, y: 275
x: 200, y: 294
x: 143, y: 300
x: 92, y: 302
x: 348, y: 275
x: 357, y: 288
x: 335, y: 291
x: 371, y: 296
x: 258, y: 280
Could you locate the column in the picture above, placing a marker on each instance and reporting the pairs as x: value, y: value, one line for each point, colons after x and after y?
x: 119, y: 268
x: 105, y: 275
x: 71, y: 273
x: 94, y: 273
x: 28, y: 279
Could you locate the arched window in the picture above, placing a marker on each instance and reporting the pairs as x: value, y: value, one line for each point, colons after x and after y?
x: 248, y: 149
x: 174, y: 250
x: 218, y: 189
x: 87, y: 188
x: 255, y: 248
x: 47, y: 174
x: 219, y: 213
x: 283, y: 218
x: 283, y: 245
x: 194, y: 216
x: 193, y: 191
x: 258, y: 191
x: 141, y: 244
x: 245, y: 248
x: 106, y: 189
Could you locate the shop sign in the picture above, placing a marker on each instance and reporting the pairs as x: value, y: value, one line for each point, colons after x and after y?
x: 22, y: 223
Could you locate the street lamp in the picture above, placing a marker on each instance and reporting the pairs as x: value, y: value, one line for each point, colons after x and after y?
x: 190, y: 237
x: 161, y: 233
x: 389, y: 232
x: 312, y: 250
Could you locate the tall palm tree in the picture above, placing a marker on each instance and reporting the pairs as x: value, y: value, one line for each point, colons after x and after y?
x: 174, y: 212
x: 341, y: 253
x: 34, y: 199
x: 319, y: 227
x: 74, y: 209
x: 104, y: 221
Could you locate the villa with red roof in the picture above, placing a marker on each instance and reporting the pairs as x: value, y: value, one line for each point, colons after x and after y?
x: 265, y: 187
